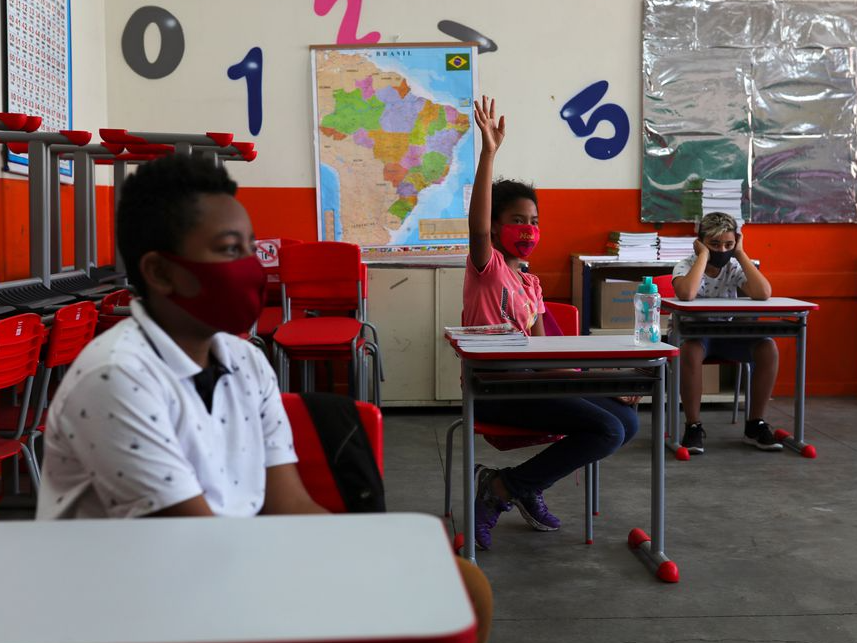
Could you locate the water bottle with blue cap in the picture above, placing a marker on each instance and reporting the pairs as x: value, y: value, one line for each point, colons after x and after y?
x: 647, y: 313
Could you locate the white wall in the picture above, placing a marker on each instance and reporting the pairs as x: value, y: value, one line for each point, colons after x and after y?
x: 548, y: 51
x: 89, y: 70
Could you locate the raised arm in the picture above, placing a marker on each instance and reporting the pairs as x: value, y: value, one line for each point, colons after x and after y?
x: 687, y: 286
x: 479, y: 218
x: 757, y: 286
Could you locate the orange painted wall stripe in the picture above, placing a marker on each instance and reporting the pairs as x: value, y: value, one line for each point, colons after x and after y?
x: 816, y: 262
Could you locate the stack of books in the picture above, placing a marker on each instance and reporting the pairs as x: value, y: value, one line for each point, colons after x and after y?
x: 723, y: 195
x: 675, y: 248
x: 633, y: 246
x: 492, y: 336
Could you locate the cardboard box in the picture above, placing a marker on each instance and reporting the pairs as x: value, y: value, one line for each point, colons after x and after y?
x: 710, y: 379
x: 614, y: 304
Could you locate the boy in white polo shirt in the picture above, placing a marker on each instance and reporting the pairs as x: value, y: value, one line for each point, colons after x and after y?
x: 168, y: 413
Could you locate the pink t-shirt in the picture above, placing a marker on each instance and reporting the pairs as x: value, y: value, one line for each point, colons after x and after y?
x: 499, y: 294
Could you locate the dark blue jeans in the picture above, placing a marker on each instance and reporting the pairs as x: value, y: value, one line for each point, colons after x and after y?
x: 594, y: 428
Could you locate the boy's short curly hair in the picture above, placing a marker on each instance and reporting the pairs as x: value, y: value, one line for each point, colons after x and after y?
x: 714, y: 224
x: 506, y: 191
x: 158, y: 207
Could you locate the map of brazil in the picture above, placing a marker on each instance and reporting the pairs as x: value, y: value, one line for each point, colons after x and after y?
x: 395, y: 155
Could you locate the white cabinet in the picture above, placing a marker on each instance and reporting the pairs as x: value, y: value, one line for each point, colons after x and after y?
x: 410, y: 306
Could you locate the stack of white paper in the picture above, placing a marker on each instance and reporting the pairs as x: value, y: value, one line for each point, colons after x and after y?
x: 633, y: 246
x: 491, y: 336
x: 674, y: 248
x: 723, y: 195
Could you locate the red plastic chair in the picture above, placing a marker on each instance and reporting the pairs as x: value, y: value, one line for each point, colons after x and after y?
x: 324, y: 305
x: 666, y: 289
x: 72, y: 329
x: 108, y: 316
x: 21, y: 338
x: 502, y: 437
x: 312, y: 462
x: 272, y: 313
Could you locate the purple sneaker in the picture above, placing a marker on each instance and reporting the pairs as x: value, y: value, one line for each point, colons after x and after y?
x: 536, y: 513
x: 488, y: 506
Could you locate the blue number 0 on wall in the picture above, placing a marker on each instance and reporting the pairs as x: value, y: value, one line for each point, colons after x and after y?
x: 596, y: 147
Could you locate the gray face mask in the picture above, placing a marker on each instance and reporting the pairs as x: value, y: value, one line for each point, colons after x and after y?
x: 719, y: 259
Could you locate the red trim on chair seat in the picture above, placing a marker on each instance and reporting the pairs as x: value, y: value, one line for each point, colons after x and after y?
x: 334, y: 331
x: 8, y: 448
x: 505, y: 438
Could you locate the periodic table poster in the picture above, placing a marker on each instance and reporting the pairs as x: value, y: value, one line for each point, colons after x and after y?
x: 37, y: 41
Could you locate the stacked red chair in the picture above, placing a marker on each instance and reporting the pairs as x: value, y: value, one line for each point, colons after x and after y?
x: 273, y: 313
x: 113, y: 309
x: 72, y: 329
x: 21, y: 339
x: 324, y: 307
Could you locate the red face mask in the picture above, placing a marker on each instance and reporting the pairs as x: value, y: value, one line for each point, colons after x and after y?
x: 519, y: 239
x: 230, y: 292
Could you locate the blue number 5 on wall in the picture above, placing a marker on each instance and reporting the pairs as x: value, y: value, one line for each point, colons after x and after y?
x: 596, y: 147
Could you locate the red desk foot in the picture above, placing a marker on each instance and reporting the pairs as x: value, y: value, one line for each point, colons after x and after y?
x: 458, y: 543
x: 682, y: 454
x: 596, y: 513
x: 589, y: 541
x: 637, y: 537
x: 665, y: 569
x: 668, y: 572
x: 806, y: 450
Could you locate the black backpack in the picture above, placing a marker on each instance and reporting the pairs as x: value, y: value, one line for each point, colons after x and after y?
x: 349, y: 454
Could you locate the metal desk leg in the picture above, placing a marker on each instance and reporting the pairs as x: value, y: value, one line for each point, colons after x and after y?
x: 674, y: 397
x: 467, y: 465
x: 796, y: 442
x: 588, y: 501
x: 652, y: 549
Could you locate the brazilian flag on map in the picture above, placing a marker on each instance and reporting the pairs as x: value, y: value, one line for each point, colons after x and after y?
x: 457, y: 62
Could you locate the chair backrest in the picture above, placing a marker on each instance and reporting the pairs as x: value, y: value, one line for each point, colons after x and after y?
x: 312, y: 462
x: 665, y: 285
x: 322, y: 275
x: 21, y: 338
x: 73, y: 328
x: 565, y: 316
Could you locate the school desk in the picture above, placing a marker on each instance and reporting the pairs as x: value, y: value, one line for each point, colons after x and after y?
x: 359, y: 577
x: 741, y: 318
x: 540, y: 370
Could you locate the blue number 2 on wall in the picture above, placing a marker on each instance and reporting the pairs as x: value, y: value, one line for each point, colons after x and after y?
x: 596, y: 147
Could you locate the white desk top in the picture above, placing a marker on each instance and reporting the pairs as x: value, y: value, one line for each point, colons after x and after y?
x: 741, y: 304
x: 595, y: 347
x: 297, y: 578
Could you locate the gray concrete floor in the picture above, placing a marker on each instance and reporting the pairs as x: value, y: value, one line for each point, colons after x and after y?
x: 763, y: 541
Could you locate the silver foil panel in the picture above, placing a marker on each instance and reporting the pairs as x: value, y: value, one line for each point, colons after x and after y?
x: 735, y: 23
x: 803, y: 179
x: 758, y: 90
